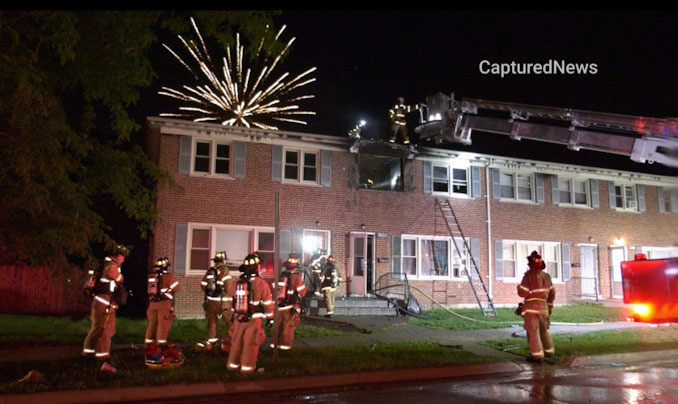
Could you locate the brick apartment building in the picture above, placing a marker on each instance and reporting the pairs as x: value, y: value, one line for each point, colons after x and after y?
x: 373, y: 206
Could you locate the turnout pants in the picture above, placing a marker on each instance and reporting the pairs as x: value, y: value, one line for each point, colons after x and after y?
x: 215, y: 309
x: 288, y: 320
x: 328, y: 295
x: 98, y: 340
x: 399, y: 129
x: 160, y: 316
x: 247, y: 336
x: 537, y: 327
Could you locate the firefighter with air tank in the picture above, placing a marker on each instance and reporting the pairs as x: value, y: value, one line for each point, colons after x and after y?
x: 105, y: 287
x: 216, y: 283
x: 539, y: 293
x: 328, y: 285
x: 291, y: 289
x: 397, y: 115
x: 252, y: 304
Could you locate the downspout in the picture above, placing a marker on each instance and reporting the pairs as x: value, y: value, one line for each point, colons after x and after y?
x: 489, y: 230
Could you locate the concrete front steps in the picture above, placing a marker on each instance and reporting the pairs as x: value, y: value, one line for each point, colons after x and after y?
x: 353, y: 306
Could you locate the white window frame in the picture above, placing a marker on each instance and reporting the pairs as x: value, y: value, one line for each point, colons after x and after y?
x: 418, y: 238
x: 624, y: 186
x: 651, y: 251
x: 515, y: 175
x: 301, y: 153
x: 572, y: 203
x: 213, y: 227
x: 450, y: 180
x: 212, y: 158
x: 521, y: 261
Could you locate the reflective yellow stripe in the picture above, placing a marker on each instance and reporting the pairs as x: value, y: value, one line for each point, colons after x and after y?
x: 535, y: 298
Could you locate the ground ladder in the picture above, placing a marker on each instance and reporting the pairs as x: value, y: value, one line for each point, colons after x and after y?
x: 477, y: 285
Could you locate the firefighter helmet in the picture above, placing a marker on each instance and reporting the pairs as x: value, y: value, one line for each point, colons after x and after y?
x: 534, y: 255
x: 331, y: 259
x: 292, y: 262
x: 535, y: 259
x: 162, y: 262
x: 220, y: 256
x: 119, y: 249
x: 250, y: 263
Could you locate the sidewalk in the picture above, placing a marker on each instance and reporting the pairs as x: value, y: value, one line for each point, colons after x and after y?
x: 399, y: 331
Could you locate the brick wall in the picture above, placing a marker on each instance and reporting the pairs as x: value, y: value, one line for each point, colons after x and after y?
x: 343, y: 210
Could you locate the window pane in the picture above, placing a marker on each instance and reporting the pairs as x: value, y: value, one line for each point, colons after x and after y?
x: 291, y: 172
x: 459, y: 174
x: 580, y: 193
x: 459, y: 263
x: 200, y: 259
x: 434, y: 258
x: 201, y: 238
x: 409, y: 266
x: 440, y: 173
x: 630, y: 197
x: 202, y: 164
x: 564, y: 187
x: 314, y: 240
x: 440, y: 179
x: 309, y: 174
x: 524, y: 187
x: 236, y: 243
x: 409, y: 247
x: 506, y: 181
x: 618, y: 196
x: 459, y: 183
x: 440, y: 186
x: 223, y: 151
x: 202, y: 149
x: 291, y: 157
x: 508, y: 252
x: 266, y: 241
x: 509, y: 269
x: 221, y: 167
x: 309, y: 159
x: 552, y: 269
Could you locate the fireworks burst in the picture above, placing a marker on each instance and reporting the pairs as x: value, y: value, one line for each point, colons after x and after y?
x: 239, y: 98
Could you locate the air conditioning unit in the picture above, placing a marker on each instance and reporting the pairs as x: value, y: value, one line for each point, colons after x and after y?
x: 632, y: 204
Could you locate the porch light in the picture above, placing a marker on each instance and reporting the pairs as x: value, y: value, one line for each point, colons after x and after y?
x: 619, y: 241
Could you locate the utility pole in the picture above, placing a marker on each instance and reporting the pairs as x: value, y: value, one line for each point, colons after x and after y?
x: 276, y: 277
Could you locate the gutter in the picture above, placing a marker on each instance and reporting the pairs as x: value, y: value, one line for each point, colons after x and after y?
x: 489, y: 229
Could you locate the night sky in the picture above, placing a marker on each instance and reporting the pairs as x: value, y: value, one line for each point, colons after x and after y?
x: 365, y: 59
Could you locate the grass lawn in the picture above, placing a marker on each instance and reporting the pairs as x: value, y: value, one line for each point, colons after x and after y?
x: 27, y: 331
x: 580, y: 313
x: 76, y: 373
x: 598, y: 343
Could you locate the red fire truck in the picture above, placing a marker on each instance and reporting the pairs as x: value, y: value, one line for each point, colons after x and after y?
x: 651, y: 287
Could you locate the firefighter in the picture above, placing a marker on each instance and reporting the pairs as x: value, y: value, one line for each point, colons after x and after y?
x: 399, y: 121
x: 252, y: 304
x: 328, y: 286
x: 160, y: 312
x: 291, y: 289
x: 316, y: 270
x: 103, y: 286
x: 216, y: 283
x: 539, y: 294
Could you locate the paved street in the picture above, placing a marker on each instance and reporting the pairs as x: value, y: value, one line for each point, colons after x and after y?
x: 645, y: 382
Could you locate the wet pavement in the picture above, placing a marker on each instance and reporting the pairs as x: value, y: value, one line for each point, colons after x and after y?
x: 639, y: 383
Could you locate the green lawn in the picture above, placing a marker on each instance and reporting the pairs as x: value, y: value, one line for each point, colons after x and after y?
x: 598, y: 343
x: 581, y: 313
x: 25, y: 331
x: 76, y: 373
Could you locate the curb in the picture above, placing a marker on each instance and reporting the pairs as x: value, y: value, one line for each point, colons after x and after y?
x: 621, y: 358
x: 257, y: 386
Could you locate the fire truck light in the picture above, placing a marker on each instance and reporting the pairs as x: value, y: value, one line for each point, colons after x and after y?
x: 672, y: 271
x: 641, y: 309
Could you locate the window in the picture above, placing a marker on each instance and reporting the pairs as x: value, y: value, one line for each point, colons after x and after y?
x: 625, y: 197
x: 573, y: 192
x: 237, y: 241
x: 654, y: 253
x: 313, y: 240
x: 301, y: 166
x: 516, y: 186
x: 212, y: 158
x: 515, y: 253
x: 427, y: 257
x: 380, y: 173
x: 441, y: 180
x: 409, y: 258
x: 200, y: 249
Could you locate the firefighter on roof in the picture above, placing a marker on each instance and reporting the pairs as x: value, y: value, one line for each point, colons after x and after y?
x: 291, y: 289
x: 215, y: 283
x: 328, y: 286
x: 539, y: 294
x: 397, y: 115
x: 104, y: 286
x: 252, y: 304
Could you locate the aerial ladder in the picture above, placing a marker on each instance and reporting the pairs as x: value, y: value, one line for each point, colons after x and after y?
x: 443, y: 119
x: 645, y: 140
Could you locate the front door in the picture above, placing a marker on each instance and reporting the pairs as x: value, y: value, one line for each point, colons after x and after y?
x: 617, y: 255
x: 589, y: 272
x: 361, y: 261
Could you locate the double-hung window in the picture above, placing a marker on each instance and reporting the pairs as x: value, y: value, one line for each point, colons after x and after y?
x: 515, y: 253
x: 573, y: 192
x: 212, y: 157
x: 450, y: 180
x: 433, y: 257
x: 516, y: 186
x: 625, y: 197
x: 301, y: 166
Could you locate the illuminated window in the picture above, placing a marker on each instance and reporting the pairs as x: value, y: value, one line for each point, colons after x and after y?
x: 313, y: 240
